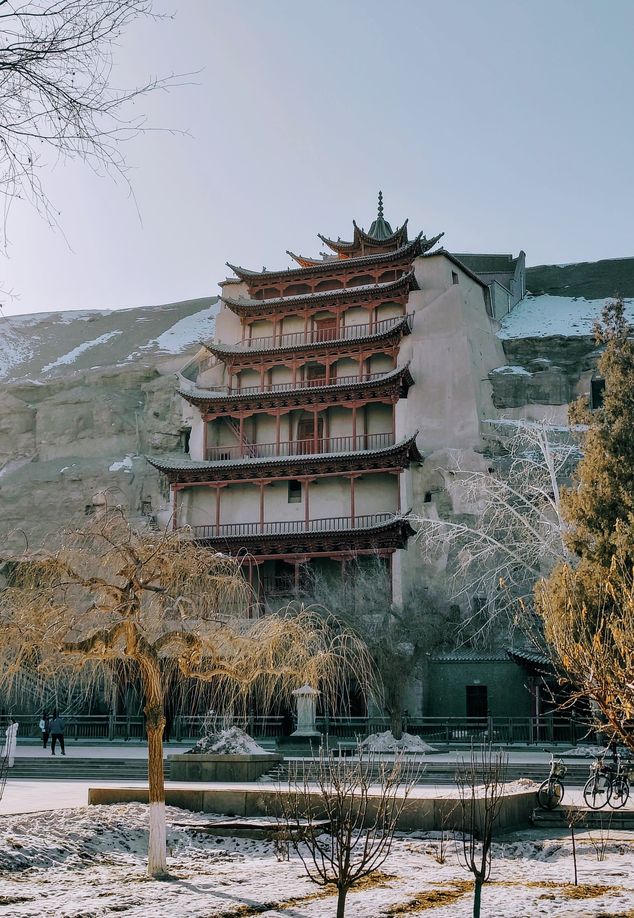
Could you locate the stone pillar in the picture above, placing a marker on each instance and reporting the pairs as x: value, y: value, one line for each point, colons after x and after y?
x: 306, y: 701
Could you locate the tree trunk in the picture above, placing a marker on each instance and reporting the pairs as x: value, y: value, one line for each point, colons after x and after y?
x: 396, y: 722
x: 157, y: 841
x: 341, y: 901
x: 155, y: 719
x: 477, y: 894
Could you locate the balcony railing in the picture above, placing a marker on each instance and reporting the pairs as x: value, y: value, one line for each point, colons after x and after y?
x: 285, y: 527
x: 320, y: 335
x: 298, y: 384
x: 301, y: 447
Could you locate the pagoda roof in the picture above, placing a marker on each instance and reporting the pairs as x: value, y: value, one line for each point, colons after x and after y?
x: 360, y: 237
x: 310, y: 266
x: 187, y: 471
x: 398, y: 328
x: 244, y: 306
x: 397, y: 383
x: 381, y: 531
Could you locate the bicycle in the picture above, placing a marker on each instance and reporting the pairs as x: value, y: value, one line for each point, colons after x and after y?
x: 551, y: 791
x: 597, y: 791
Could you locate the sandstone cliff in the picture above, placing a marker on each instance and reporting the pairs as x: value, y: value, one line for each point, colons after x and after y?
x: 84, y: 395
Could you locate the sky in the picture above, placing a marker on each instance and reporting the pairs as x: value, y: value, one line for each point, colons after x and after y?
x: 504, y: 123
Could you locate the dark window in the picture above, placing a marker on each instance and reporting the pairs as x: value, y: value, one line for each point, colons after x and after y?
x: 454, y: 278
x: 294, y: 492
x: 428, y: 497
x: 597, y: 390
x: 185, y: 434
x: 477, y: 701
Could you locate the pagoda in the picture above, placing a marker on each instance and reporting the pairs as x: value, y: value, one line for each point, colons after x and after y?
x: 296, y: 455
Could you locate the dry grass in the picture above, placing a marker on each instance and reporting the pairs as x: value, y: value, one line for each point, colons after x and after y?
x: 581, y: 891
x: 244, y: 911
x: 433, y: 898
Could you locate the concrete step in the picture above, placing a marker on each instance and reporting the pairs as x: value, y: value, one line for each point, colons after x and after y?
x: 584, y: 818
x: 71, y: 767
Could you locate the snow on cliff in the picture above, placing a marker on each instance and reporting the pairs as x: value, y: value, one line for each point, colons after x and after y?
x: 544, y: 316
x: 50, y: 344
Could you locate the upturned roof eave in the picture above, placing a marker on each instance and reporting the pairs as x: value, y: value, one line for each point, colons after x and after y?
x: 217, y: 348
x: 240, y: 305
x: 319, y: 266
x: 208, y: 395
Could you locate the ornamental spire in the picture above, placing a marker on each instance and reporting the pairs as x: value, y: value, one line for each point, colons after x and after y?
x: 380, y: 228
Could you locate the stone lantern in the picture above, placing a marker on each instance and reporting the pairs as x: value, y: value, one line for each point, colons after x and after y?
x: 306, y: 701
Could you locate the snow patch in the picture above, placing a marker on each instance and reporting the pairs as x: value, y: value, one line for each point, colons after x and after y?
x: 385, y: 742
x: 508, y: 370
x: 187, y: 331
x: 71, y: 356
x: 546, y: 315
x: 232, y: 741
x: 122, y: 465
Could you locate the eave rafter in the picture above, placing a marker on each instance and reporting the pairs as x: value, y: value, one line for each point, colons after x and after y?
x: 191, y: 473
x: 313, y: 267
x: 389, y: 535
x: 368, y: 293
x: 239, y: 354
x: 388, y: 387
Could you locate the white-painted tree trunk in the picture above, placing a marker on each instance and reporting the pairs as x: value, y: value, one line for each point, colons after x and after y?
x: 157, y: 841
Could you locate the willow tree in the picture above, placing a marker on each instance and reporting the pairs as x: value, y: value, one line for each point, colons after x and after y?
x: 151, y: 603
x: 587, y: 603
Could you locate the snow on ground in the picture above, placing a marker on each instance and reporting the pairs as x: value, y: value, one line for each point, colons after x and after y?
x: 385, y: 742
x: 71, y: 356
x: 90, y: 862
x: 190, y: 330
x: 123, y: 465
x: 541, y: 316
x: 232, y: 741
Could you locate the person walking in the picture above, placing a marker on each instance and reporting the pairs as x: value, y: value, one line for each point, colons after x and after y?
x: 45, y: 727
x: 57, y: 733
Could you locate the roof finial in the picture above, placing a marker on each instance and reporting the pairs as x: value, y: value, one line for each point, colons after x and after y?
x: 380, y: 204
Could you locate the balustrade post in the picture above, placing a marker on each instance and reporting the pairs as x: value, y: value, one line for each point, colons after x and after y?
x: 111, y: 726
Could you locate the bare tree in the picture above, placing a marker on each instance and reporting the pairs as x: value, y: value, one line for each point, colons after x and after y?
x: 398, y: 637
x: 154, y: 603
x: 513, y: 532
x: 340, y: 817
x: 57, y: 90
x: 481, y: 789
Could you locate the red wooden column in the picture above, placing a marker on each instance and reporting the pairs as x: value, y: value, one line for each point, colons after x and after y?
x: 315, y: 430
x: 205, y: 427
x: 261, y: 485
x: 354, y: 427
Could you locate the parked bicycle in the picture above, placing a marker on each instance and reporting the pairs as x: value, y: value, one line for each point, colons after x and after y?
x: 551, y: 791
x: 609, y: 783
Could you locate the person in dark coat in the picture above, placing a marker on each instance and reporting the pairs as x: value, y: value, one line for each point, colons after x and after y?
x: 57, y: 733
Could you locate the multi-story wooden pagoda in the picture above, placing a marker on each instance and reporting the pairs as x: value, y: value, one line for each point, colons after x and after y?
x: 299, y: 440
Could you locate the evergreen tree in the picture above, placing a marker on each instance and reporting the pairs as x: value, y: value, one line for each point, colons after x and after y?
x: 587, y: 605
x: 604, y: 492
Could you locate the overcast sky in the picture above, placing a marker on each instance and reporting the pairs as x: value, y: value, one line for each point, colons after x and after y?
x: 507, y: 124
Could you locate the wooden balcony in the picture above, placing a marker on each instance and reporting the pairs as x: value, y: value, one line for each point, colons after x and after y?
x: 224, y: 391
x: 335, y: 536
x: 321, y: 335
x: 284, y: 527
x: 304, y: 447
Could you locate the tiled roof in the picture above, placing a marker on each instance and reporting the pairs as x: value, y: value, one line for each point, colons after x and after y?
x: 326, y: 266
x: 198, y: 395
x: 403, y: 327
x: 242, y: 304
x: 178, y: 464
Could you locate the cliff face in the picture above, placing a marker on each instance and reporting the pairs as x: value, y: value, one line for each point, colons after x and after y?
x: 84, y: 397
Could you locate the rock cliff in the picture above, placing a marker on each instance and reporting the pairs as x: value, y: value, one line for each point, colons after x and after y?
x: 84, y: 395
